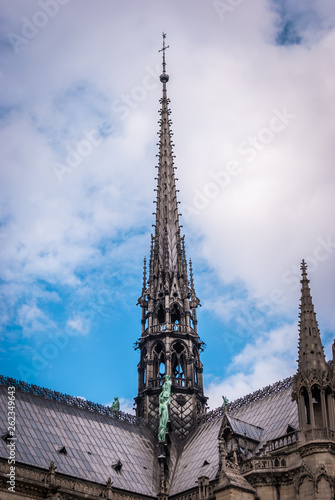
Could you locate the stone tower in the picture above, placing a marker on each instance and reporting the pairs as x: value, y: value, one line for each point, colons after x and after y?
x: 314, y: 384
x: 169, y: 344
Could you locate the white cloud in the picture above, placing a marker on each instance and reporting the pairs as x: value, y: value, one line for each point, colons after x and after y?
x: 34, y: 321
x: 269, y: 359
x: 77, y: 326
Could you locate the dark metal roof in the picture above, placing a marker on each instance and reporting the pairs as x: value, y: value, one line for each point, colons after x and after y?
x: 263, y: 415
x: 242, y: 428
x: 258, y: 395
x: 93, y: 442
x: 90, y: 442
x: 201, y: 447
x: 69, y: 400
x: 272, y: 413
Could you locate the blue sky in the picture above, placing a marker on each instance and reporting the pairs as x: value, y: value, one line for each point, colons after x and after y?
x: 252, y: 99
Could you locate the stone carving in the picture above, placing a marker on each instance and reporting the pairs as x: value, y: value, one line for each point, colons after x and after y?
x: 164, y: 401
x: 108, y: 491
x: 50, y: 477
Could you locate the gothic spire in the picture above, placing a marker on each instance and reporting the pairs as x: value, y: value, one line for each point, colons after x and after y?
x: 169, y: 343
x: 167, y: 242
x: 311, y: 354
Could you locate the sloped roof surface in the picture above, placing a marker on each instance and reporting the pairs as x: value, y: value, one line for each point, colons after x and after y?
x: 93, y: 442
x: 201, y: 447
x: 273, y: 413
x: 244, y: 428
x: 263, y: 415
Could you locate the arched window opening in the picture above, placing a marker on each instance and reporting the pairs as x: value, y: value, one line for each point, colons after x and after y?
x: 175, y: 314
x: 178, y: 366
x: 161, y: 369
x: 307, y: 409
x: 161, y: 315
x: 178, y: 362
x: 159, y: 361
x: 316, y: 397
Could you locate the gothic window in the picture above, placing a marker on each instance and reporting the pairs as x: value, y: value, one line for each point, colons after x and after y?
x: 161, y: 314
x: 159, y: 360
x: 307, y: 409
x: 178, y: 361
x: 316, y: 397
x: 175, y: 314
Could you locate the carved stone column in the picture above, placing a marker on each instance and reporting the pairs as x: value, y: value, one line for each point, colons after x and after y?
x: 311, y: 409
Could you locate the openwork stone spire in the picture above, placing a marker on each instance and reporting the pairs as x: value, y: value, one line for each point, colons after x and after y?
x: 311, y: 354
x: 167, y: 251
x: 169, y: 298
x: 169, y: 343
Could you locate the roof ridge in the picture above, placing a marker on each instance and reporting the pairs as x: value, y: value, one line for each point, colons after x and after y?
x: 36, y: 390
x: 248, y: 399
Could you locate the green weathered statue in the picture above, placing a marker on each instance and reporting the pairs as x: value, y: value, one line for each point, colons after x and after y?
x: 164, y: 401
x: 116, y: 404
x: 225, y: 402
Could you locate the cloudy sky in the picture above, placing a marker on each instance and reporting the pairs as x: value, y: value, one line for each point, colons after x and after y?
x: 252, y: 96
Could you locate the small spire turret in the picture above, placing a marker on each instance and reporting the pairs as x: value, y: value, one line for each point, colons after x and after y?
x: 311, y: 354
x: 314, y: 383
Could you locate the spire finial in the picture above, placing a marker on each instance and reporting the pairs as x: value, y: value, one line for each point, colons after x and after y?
x: 164, y: 76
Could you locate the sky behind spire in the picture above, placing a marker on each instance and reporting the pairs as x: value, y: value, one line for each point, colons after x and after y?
x: 252, y: 100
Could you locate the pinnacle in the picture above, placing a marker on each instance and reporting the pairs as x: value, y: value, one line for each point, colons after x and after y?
x: 311, y: 354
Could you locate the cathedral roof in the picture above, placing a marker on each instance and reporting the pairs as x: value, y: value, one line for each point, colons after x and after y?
x: 262, y: 416
x: 199, y: 457
x: 273, y: 413
x: 91, y: 442
x: 83, y: 443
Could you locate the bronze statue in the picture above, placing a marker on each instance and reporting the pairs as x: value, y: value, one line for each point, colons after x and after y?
x: 164, y: 401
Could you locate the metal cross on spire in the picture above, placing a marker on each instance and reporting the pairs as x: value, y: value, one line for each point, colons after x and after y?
x: 163, y: 49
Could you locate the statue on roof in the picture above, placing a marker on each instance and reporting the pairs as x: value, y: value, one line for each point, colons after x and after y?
x: 116, y: 404
x: 164, y: 401
x: 225, y: 402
